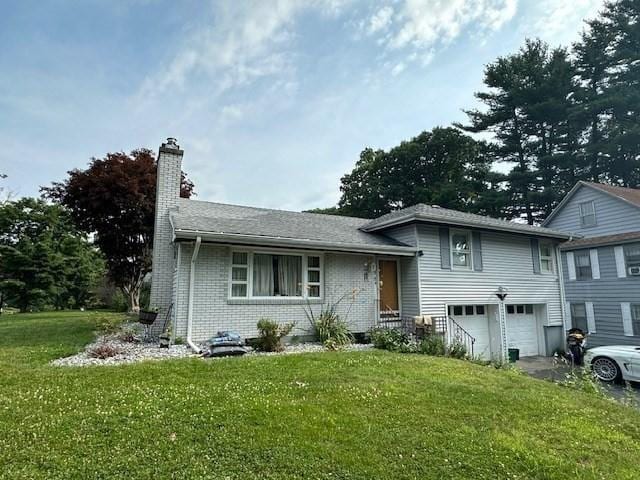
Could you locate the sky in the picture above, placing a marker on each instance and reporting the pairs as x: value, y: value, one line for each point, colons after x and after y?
x: 272, y: 101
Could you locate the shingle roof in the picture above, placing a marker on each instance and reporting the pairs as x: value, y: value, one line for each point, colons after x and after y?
x: 601, y: 241
x: 631, y: 195
x: 434, y: 214
x: 309, y: 228
x: 628, y: 195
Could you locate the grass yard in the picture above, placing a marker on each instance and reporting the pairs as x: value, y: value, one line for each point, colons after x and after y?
x: 333, y: 415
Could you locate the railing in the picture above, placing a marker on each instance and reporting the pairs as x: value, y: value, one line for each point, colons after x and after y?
x: 450, y: 330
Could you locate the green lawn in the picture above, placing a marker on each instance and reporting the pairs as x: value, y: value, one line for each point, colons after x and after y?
x: 333, y: 415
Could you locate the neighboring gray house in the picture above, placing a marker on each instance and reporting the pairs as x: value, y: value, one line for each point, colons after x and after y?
x: 223, y: 267
x: 602, y: 265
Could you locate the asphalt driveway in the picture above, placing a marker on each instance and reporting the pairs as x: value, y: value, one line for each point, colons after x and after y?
x: 549, y: 368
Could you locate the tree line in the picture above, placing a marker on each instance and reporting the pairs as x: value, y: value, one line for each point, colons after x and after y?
x: 554, y: 116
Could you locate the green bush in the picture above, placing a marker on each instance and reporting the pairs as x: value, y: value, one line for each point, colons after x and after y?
x: 270, y: 335
x: 432, y: 345
x: 391, y: 339
x: 332, y: 331
x: 109, y: 324
x: 457, y: 350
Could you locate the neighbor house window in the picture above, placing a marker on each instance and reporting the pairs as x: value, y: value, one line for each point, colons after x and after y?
x: 461, y: 249
x: 579, y: 316
x: 583, y: 265
x: 632, y: 255
x: 587, y: 214
x: 546, y: 257
x: 635, y: 318
x: 262, y: 274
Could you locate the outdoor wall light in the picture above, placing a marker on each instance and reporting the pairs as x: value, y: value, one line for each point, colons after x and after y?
x: 501, y: 293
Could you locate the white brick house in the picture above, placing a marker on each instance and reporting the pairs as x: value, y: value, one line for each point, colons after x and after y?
x: 223, y: 267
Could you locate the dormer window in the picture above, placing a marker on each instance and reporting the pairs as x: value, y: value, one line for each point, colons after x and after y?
x: 587, y: 214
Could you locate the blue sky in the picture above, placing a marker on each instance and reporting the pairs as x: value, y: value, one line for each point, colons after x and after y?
x: 272, y: 101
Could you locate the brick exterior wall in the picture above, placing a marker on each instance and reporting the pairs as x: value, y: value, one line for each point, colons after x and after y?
x: 213, y: 311
x: 163, y: 262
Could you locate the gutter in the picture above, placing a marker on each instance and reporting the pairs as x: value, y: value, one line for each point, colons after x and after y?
x: 192, y: 278
x: 461, y: 223
x: 244, y: 239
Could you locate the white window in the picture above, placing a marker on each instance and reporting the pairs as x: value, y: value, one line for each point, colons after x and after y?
x: 583, y: 265
x: 587, y: 214
x: 579, y: 316
x: 265, y: 275
x: 239, y: 274
x: 461, y: 249
x: 632, y: 255
x: 546, y: 257
x: 635, y: 318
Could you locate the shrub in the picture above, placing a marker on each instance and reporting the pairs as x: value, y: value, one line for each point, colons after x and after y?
x: 390, y: 339
x: 330, y: 328
x: 178, y: 341
x: 104, y: 350
x: 457, y: 350
x: 270, y: 335
x: 332, y: 331
x: 128, y: 333
x: 109, y: 324
x: 432, y: 345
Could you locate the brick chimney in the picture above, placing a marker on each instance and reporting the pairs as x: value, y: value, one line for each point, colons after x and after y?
x: 168, y: 180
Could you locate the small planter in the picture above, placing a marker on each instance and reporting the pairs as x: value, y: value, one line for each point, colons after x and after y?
x: 165, y: 340
x: 147, y: 317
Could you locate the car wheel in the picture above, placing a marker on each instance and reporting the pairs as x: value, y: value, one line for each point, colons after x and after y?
x: 606, y: 369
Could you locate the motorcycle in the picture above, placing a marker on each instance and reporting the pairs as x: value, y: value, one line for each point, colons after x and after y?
x: 576, y: 344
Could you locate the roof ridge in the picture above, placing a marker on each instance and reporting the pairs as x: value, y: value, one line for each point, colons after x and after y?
x: 264, y: 209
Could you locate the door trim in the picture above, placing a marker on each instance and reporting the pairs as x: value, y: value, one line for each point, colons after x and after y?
x: 394, y: 259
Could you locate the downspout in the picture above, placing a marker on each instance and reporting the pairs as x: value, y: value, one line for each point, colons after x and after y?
x: 192, y: 278
x: 563, y: 299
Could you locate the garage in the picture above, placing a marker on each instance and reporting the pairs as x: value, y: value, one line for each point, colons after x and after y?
x: 475, y: 320
x: 522, y: 329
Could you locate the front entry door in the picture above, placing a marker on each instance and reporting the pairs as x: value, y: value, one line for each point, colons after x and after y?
x: 389, y: 304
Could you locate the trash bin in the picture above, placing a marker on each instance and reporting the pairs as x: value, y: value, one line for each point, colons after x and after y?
x: 514, y: 354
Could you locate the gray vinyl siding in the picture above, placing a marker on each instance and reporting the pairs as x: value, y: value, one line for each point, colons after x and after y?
x: 507, y: 262
x: 409, y: 292
x: 606, y: 294
x: 612, y: 215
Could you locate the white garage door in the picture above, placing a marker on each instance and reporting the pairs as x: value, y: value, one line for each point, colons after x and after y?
x: 522, y: 329
x: 474, y: 319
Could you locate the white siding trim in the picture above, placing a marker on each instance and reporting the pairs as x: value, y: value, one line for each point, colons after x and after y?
x: 567, y: 308
x: 571, y: 264
x: 595, y: 265
x: 591, y: 319
x: 620, y: 265
x: 627, y: 323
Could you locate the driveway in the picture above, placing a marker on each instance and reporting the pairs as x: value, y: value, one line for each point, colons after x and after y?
x: 548, y: 368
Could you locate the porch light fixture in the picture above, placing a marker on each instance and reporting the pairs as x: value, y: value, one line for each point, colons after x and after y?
x: 501, y: 293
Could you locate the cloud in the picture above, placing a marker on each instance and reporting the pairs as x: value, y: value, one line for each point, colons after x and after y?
x: 246, y: 41
x: 555, y: 16
x: 418, y: 28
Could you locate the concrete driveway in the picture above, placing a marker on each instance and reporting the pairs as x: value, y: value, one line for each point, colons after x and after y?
x: 549, y: 368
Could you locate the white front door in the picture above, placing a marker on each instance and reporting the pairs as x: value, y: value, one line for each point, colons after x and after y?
x: 522, y: 329
x: 475, y: 320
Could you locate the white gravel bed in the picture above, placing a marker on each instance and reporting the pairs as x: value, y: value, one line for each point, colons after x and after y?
x: 311, y: 348
x: 129, y: 352
x: 132, y: 352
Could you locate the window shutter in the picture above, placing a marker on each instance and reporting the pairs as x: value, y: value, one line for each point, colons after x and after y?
x: 476, y: 251
x: 567, y: 309
x: 591, y: 319
x: 445, y: 249
x: 571, y: 264
x: 595, y: 265
x: 627, y: 323
x: 535, y: 255
x: 620, y: 265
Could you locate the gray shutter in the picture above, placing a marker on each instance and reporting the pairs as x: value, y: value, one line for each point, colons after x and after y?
x: 535, y: 255
x: 476, y: 248
x: 445, y: 249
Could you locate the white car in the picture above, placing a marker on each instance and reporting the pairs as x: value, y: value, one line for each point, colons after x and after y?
x: 615, y: 362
